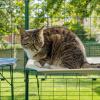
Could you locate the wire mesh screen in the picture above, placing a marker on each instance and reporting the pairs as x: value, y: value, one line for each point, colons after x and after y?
x: 19, y: 86
x: 76, y: 15
x: 81, y: 16
x: 92, y: 49
x: 52, y: 86
x: 64, y: 87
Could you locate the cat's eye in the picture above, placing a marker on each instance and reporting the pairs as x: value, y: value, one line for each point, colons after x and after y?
x: 26, y: 38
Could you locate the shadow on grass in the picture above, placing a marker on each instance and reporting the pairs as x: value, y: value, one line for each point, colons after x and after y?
x: 97, y: 90
x: 21, y: 97
x: 17, y: 97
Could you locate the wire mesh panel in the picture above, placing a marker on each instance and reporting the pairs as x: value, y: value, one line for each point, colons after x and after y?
x: 92, y: 49
x: 64, y: 86
x: 80, y: 16
x: 5, y: 88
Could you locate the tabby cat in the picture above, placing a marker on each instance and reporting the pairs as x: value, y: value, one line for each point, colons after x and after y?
x: 55, y: 47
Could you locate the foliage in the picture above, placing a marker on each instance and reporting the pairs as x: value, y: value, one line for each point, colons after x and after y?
x: 6, y: 17
x: 63, y: 8
x: 49, y: 12
x: 49, y: 9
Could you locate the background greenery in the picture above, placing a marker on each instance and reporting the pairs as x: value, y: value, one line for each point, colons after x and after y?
x: 51, y: 13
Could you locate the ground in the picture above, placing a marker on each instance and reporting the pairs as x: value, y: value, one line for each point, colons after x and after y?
x: 54, y: 87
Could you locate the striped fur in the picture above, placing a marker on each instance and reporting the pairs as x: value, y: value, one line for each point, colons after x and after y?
x: 55, y: 46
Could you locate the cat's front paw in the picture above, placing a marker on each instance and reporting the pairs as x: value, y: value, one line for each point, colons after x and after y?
x: 37, y: 64
x: 46, y: 65
x: 32, y: 63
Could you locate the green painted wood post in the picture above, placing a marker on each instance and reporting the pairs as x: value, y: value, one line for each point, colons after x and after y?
x: 25, y: 56
x: 26, y: 14
x: 26, y: 24
x: 27, y: 85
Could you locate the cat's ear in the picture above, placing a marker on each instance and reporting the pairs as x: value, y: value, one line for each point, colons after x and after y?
x: 42, y: 27
x: 41, y: 30
x: 21, y: 29
x: 41, y: 35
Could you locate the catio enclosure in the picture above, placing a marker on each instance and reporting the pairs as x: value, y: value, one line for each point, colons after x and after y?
x: 81, y: 16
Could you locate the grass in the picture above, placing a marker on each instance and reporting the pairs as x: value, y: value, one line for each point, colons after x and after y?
x: 55, y: 87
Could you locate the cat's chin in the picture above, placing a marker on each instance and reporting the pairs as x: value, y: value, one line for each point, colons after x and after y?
x: 30, y: 53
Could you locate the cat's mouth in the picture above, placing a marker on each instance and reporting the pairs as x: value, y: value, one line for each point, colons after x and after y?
x: 24, y: 43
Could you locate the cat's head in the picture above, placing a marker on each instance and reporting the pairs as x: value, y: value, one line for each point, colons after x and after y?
x: 32, y: 39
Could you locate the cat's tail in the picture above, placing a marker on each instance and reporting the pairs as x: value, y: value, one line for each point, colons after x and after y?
x: 90, y: 65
